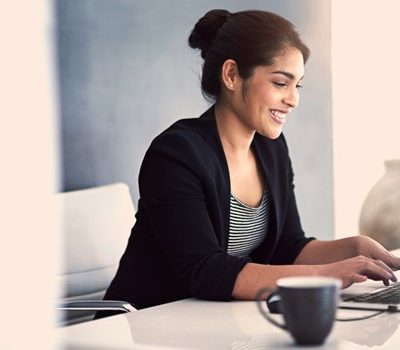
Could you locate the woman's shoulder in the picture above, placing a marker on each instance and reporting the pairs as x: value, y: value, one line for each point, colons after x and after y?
x: 186, y: 132
x: 186, y: 144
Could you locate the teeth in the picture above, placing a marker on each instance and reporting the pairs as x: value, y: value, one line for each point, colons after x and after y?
x: 278, y: 114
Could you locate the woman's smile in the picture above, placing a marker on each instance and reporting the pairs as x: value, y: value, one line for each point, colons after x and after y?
x: 278, y: 116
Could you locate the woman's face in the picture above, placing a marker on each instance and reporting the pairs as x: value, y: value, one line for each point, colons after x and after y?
x: 270, y: 94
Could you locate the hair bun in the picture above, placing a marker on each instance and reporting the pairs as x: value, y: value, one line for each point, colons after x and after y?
x: 206, y: 29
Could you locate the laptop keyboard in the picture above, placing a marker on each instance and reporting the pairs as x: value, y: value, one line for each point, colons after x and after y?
x: 389, y: 295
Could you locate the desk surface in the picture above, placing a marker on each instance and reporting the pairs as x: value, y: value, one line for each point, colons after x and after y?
x: 237, y: 325
x: 196, y: 324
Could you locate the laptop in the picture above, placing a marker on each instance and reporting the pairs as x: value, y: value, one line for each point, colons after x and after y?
x: 372, y: 295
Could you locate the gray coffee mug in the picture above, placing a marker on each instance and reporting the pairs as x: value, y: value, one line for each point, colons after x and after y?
x: 308, y: 304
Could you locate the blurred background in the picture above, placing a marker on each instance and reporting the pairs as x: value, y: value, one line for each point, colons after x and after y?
x: 87, y: 84
x: 126, y: 73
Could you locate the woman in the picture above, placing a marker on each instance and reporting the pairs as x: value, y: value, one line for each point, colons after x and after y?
x: 217, y: 216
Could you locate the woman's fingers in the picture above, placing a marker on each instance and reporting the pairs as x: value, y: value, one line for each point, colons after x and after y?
x: 356, y: 278
x: 373, y: 269
x: 359, y: 269
x: 386, y: 282
x: 391, y: 260
x: 394, y: 262
x: 374, y: 250
x: 383, y: 265
x: 376, y: 270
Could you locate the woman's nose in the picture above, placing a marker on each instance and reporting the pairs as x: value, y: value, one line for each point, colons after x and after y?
x: 292, y: 98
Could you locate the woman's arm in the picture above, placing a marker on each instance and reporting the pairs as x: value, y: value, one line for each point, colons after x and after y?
x: 254, y: 277
x: 325, y: 252
x: 352, y: 259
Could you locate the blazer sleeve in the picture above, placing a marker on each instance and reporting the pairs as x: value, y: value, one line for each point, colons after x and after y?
x: 292, y: 239
x: 175, y: 203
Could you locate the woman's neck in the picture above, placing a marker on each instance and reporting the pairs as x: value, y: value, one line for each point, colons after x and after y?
x: 236, y: 138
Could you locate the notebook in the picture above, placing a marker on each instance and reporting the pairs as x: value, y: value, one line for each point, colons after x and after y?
x: 372, y: 295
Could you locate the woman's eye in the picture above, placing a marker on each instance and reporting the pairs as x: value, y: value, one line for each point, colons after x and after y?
x: 283, y: 85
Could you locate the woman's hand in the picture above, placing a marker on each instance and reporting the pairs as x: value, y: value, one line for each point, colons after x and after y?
x: 370, y: 248
x: 359, y: 269
x: 352, y: 259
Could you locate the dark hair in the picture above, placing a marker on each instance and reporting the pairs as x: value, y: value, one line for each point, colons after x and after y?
x: 250, y: 38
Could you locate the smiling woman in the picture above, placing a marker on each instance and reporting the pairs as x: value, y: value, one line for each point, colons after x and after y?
x: 263, y: 101
x: 217, y: 216
x: 221, y: 35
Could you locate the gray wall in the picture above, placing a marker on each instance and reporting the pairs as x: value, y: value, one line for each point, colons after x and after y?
x: 126, y: 73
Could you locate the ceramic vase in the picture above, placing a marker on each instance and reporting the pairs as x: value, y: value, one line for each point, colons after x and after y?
x: 380, y: 212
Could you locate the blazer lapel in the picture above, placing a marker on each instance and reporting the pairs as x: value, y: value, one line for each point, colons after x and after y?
x: 269, y: 160
x: 211, y: 136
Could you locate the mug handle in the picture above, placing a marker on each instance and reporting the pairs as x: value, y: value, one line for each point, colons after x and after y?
x: 261, y: 302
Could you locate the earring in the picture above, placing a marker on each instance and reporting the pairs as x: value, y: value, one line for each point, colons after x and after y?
x: 231, y: 85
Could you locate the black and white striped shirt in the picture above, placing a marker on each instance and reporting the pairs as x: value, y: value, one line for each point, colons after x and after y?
x: 247, y: 225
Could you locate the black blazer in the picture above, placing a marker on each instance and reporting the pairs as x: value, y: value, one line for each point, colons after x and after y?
x: 178, y: 246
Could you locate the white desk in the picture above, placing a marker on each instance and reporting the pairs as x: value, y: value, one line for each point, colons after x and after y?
x: 196, y: 324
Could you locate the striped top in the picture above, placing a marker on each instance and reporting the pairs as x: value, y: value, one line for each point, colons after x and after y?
x: 248, y: 226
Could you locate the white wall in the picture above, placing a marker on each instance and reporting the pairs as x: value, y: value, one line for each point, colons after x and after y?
x: 28, y: 176
x: 366, y: 96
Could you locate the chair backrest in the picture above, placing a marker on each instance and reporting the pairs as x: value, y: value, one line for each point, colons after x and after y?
x: 96, y: 224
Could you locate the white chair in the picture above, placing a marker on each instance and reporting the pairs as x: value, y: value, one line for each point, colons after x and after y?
x: 96, y: 225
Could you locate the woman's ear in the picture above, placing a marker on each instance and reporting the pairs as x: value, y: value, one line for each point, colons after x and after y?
x: 230, y: 75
